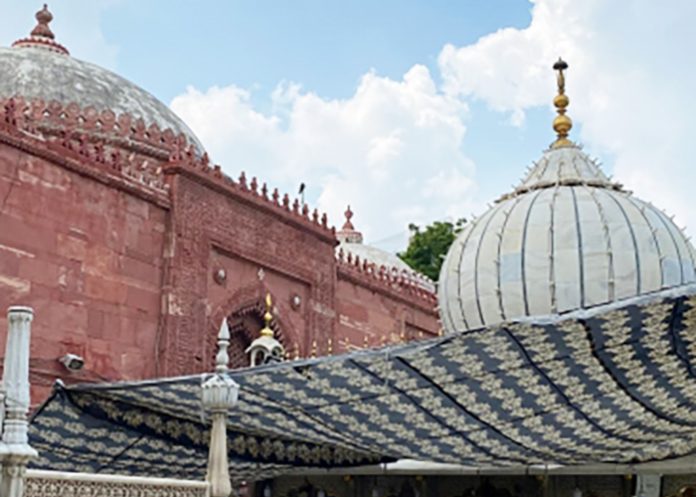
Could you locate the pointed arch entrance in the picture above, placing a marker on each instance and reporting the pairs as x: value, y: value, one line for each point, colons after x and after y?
x: 244, y: 312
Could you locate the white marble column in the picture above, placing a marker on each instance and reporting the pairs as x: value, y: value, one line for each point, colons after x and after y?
x: 219, y: 395
x: 15, y: 451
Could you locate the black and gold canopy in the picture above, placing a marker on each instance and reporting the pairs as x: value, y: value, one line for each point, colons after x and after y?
x: 613, y: 385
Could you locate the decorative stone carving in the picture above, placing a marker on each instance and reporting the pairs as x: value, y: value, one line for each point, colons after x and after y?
x: 55, y: 486
x: 15, y: 450
x: 220, y: 276
x: 219, y: 395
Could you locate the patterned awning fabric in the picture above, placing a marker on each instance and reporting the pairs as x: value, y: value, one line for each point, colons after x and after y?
x: 616, y: 386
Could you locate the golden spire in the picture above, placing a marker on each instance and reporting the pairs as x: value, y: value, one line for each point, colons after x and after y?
x: 267, y: 318
x: 562, y: 123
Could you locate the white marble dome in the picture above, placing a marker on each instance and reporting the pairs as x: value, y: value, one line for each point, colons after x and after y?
x: 566, y: 239
x: 38, y: 67
x: 351, y: 242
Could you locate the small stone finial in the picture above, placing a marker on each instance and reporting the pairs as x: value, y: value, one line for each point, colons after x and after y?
x: 267, y: 331
x: 222, y: 359
x: 562, y: 123
x: 348, y: 225
x: 43, y: 19
x: 348, y: 233
x: 42, y: 36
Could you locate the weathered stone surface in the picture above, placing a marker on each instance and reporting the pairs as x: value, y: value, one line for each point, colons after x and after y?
x: 135, y: 272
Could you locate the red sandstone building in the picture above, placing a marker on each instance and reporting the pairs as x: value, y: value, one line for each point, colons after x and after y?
x: 132, y: 247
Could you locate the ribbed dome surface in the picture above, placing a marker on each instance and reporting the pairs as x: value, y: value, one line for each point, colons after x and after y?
x: 565, y: 239
x: 36, y: 73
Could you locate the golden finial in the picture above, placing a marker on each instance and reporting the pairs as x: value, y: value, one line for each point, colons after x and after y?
x: 562, y: 123
x: 314, y: 348
x: 329, y: 347
x: 267, y: 318
x: 297, y: 352
x: 365, y: 342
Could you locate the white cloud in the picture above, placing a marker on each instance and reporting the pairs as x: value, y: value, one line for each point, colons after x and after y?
x: 630, y: 83
x: 378, y: 150
x: 394, y: 148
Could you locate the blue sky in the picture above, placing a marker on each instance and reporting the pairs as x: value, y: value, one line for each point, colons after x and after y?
x: 325, y: 45
x: 409, y: 110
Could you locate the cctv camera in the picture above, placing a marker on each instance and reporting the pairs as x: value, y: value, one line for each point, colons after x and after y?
x: 72, y: 362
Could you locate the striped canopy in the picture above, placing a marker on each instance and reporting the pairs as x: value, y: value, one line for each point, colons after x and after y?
x: 612, y: 385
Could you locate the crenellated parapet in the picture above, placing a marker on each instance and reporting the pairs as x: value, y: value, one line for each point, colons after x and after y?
x: 408, y: 285
x: 38, y: 117
x: 184, y: 160
x: 99, y: 144
x: 127, y: 147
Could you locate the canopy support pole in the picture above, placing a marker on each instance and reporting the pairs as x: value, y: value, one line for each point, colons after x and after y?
x: 219, y: 395
x: 15, y: 451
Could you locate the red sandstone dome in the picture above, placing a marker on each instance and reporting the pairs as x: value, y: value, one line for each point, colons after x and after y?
x: 39, y: 68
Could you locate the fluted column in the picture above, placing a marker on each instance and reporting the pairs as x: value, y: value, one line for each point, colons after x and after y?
x: 15, y: 451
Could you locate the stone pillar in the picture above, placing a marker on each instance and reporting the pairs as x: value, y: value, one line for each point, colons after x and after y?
x: 219, y: 395
x: 648, y: 485
x: 15, y: 451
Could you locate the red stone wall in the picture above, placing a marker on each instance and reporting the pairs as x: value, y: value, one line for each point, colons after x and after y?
x: 120, y: 252
x: 216, y: 230
x: 88, y: 258
x: 373, y: 314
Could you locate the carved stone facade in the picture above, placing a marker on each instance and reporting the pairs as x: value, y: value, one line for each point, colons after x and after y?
x: 47, y: 484
x: 131, y: 247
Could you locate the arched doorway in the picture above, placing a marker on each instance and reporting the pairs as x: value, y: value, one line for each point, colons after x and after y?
x: 245, y: 324
x: 244, y: 312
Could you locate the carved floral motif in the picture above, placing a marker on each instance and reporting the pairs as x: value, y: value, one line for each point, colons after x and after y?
x: 53, y: 487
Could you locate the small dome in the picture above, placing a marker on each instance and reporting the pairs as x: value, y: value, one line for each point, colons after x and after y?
x: 566, y: 238
x: 351, y: 242
x: 38, y: 67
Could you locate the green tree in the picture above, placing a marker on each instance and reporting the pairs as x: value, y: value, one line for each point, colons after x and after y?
x: 427, y: 247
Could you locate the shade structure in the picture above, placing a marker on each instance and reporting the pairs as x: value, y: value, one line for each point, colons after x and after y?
x: 611, y: 385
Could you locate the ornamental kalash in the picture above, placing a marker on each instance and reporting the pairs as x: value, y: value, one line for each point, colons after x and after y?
x: 568, y: 368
